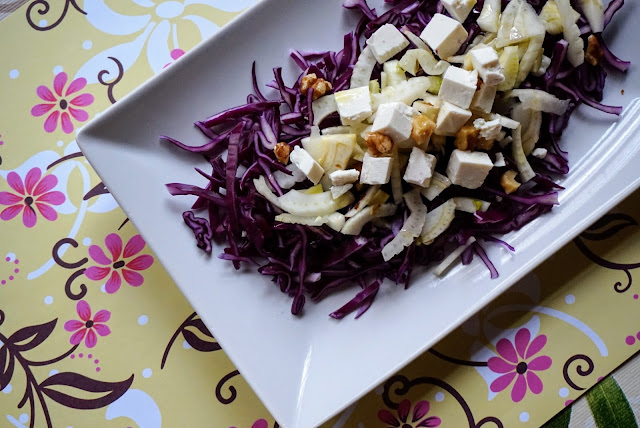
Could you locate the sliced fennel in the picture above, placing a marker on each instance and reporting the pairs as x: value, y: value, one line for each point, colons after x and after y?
x: 571, y: 32
x: 354, y: 225
x: 395, y: 74
x: 364, y: 201
x: 528, y: 61
x: 437, y: 221
x: 550, y: 17
x: 470, y: 205
x: 406, y: 92
x: 517, y: 152
x: 489, y: 19
x: 411, y: 228
x: 438, y: 183
x: 448, y: 261
x: 288, y: 181
x: 323, y: 107
x: 363, y: 68
x: 536, y: 99
x: 594, y: 11
x: 333, y: 220
x: 303, y: 204
x: 413, y: 59
x: 519, y: 22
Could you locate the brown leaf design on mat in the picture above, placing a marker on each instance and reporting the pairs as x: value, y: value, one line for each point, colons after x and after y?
x: 28, y: 338
x: 78, y: 383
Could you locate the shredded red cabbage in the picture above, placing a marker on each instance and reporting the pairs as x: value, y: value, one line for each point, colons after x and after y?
x: 313, y: 261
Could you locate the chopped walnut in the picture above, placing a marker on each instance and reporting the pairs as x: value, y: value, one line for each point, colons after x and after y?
x: 422, y: 129
x: 379, y: 144
x: 319, y: 85
x: 484, y: 144
x: 282, y: 151
x: 467, y: 138
x: 594, y: 52
x: 508, y: 182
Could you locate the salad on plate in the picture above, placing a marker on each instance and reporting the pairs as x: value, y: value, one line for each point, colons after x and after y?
x: 434, y: 131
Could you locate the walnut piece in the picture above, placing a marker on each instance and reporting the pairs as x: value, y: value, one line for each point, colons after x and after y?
x: 594, y: 52
x: 282, y: 151
x: 508, y: 182
x: 319, y: 85
x: 467, y: 138
x: 379, y: 144
x: 422, y: 129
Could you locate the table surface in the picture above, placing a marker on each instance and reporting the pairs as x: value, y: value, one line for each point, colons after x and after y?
x: 81, y: 345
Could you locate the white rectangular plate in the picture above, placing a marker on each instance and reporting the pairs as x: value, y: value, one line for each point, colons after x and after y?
x: 307, y: 369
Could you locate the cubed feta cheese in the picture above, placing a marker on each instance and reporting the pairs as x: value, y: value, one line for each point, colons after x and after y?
x: 387, y: 42
x: 354, y: 105
x: 459, y: 9
x: 307, y: 164
x: 488, y: 130
x: 539, y: 153
x: 499, y: 160
x: 450, y: 119
x: 505, y: 121
x: 420, y: 168
x: 487, y: 63
x: 375, y: 170
x: 484, y: 98
x: 340, y: 178
x: 468, y: 169
x: 459, y: 86
x: 394, y: 120
x: 337, y: 191
x: 444, y: 35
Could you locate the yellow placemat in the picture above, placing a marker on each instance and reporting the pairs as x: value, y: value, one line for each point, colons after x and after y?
x: 95, y: 334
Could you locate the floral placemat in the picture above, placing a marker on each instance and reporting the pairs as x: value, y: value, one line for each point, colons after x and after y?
x: 94, y: 333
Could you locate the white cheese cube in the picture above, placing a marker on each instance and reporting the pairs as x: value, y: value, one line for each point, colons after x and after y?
x: 394, y: 120
x: 539, y: 153
x: 444, y: 35
x: 487, y: 63
x: 459, y: 86
x: 387, y: 42
x: 468, y: 169
x: 484, y: 98
x: 420, y: 168
x: 505, y: 121
x: 337, y: 191
x: 500, y: 162
x: 375, y: 170
x: 340, y: 177
x: 488, y: 130
x: 354, y: 105
x: 459, y: 9
x: 450, y: 119
x: 307, y: 164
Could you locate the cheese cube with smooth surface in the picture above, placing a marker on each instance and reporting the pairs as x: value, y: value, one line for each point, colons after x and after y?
x: 354, y: 105
x: 450, y: 119
x: 420, y: 168
x: 307, y: 164
x: 394, y: 120
x: 459, y: 86
x: 342, y: 177
x: 459, y: 9
x: 487, y: 63
x: 387, y: 42
x: 488, y: 130
x: 468, y: 169
x: 375, y: 170
x: 484, y: 98
x: 444, y: 35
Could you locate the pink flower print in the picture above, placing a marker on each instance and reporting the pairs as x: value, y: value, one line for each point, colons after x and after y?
x: 418, y: 418
x: 516, y: 362
x: 34, y: 193
x: 175, y: 54
x: 117, y: 265
x: 86, y: 328
x: 63, y: 105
